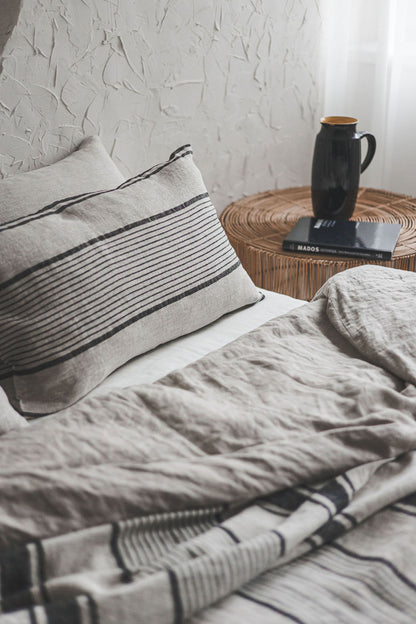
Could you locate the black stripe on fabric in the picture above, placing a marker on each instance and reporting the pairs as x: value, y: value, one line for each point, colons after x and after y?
x: 47, y: 211
x: 282, y: 542
x: 126, y: 246
x: 263, y: 603
x: 124, y: 325
x: 156, y: 289
x: 137, y: 271
x: 334, y: 492
x: 61, y: 208
x: 153, y: 170
x: 131, y: 248
x: 65, y: 612
x: 42, y: 570
x: 77, y: 199
x: 313, y: 500
x: 407, y: 512
x: 10, y: 225
x: 275, y: 512
x: 15, y: 579
x: 93, y: 241
x: 385, y: 562
x: 230, y: 533
x: 176, y: 596
x: 126, y: 575
x: 32, y: 616
x: 311, y: 542
x: 195, y: 219
x: 92, y: 325
x: 199, y: 588
x: 410, y: 499
x: 348, y: 480
x: 96, y: 328
x: 86, y: 195
x: 349, y: 517
x: 328, y: 567
x: 93, y: 609
x: 330, y: 531
x: 187, y: 147
x: 145, y: 175
x: 221, y: 513
x: 287, y: 499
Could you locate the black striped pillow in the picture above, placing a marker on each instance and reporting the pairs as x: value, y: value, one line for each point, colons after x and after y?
x: 87, y: 283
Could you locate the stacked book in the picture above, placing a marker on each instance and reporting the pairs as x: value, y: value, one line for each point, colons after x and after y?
x: 359, y: 239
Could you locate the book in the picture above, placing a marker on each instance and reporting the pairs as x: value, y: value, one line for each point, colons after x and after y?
x: 359, y: 239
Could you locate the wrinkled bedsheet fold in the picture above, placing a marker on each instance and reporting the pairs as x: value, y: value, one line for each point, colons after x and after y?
x: 202, y: 495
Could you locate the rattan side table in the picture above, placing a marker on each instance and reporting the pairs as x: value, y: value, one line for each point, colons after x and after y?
x: 257, y: 225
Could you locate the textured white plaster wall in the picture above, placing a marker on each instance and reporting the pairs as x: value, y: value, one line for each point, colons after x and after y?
x: 237, y: 79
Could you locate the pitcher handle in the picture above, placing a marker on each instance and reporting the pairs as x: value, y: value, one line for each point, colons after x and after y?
x: 371, y: 150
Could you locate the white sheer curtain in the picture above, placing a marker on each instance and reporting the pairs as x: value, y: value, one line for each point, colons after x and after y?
x: 370, y: 73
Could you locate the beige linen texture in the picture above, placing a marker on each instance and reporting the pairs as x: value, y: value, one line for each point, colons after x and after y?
x: 72, y: 291
x: 89, y: 168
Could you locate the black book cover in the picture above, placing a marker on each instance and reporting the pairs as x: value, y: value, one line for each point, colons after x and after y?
x: 360, y: 239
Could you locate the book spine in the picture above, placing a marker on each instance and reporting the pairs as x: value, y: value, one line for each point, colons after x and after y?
x: 352, y: 253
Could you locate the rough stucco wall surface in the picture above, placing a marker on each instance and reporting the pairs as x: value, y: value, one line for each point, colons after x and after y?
x: 236, y: 79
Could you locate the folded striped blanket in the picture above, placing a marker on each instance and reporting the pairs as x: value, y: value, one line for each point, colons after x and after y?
x: 273, y: 481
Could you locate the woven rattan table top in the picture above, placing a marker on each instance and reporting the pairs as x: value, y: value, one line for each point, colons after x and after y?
x: 256, y: 226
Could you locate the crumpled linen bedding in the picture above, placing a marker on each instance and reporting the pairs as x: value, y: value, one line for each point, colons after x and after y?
x: 272, y: 480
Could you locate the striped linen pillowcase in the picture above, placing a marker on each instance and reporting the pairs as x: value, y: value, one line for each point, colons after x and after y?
x: 87, y: 283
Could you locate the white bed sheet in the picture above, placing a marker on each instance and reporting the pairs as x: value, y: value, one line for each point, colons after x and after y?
x: 183, y: 351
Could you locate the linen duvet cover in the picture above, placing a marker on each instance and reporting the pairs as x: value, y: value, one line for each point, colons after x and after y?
x: 273, y: 480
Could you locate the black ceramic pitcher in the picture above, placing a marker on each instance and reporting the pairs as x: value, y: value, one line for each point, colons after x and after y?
x: 337, y: 165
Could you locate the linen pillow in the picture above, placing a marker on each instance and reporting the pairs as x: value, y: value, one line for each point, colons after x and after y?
x: 88, y: 283
x: 87, y: 169
x: 9, y: 418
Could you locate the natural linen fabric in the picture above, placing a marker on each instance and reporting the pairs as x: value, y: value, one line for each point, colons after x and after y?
x: 249, y: 486
x: 89, y: 282
x: 9, y: 418
x: 88, y: 168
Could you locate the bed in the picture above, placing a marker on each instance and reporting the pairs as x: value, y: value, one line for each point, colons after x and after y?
x: 233, y: 455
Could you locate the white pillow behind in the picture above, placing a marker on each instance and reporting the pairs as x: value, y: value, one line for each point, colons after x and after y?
x: 87, y: 169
